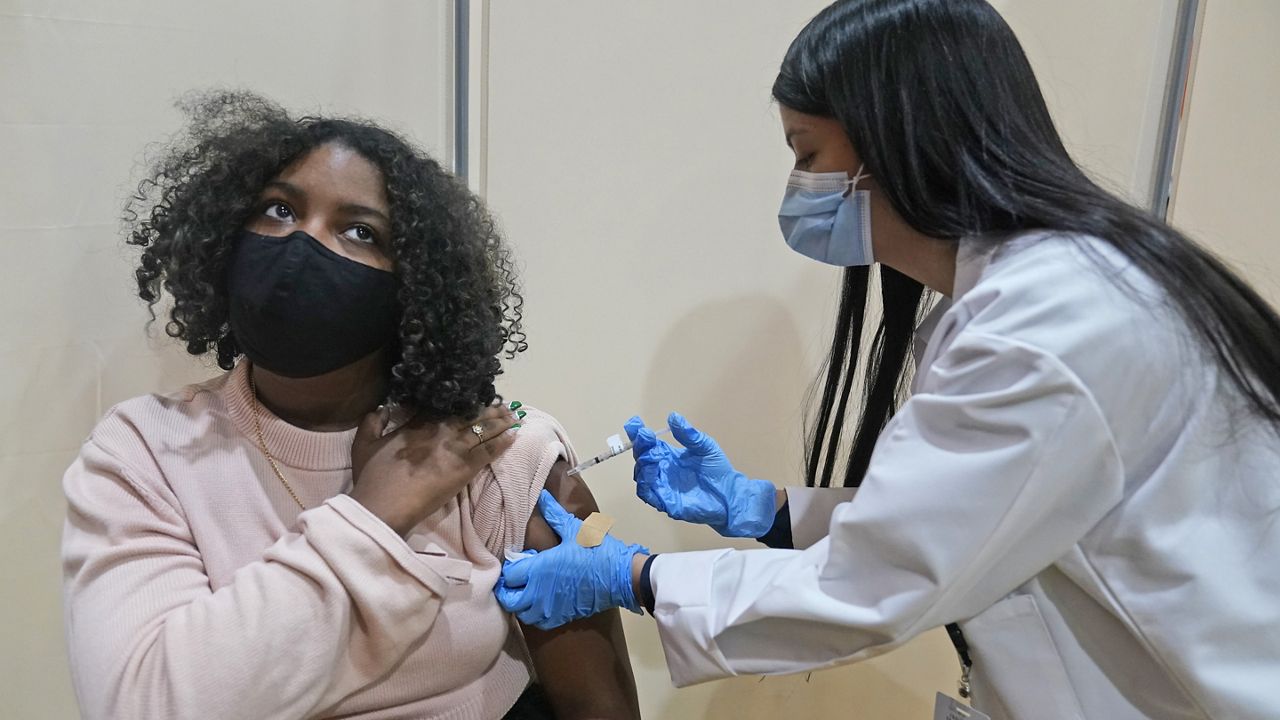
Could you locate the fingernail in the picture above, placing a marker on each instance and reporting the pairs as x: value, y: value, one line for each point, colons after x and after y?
x: 521, y: 414
x: 516, y: 405
x: 517, y: 426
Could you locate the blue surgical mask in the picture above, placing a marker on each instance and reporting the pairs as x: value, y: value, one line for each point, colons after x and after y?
x: 825, y: 217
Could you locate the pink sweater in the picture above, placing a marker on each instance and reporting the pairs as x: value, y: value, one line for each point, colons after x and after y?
x: 196, y: 588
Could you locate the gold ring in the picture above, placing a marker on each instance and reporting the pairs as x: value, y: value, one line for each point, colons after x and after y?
x: 478, y: 431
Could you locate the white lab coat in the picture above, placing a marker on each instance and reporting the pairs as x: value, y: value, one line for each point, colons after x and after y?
x: 1072, y: 480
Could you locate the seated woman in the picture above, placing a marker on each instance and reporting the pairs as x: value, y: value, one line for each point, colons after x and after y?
x: 318, y: 531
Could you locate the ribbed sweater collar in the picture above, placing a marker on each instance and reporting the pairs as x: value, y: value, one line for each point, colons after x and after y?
x: 288, y: 444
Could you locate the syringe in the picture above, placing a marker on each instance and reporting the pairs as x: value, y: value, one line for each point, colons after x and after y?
x: 617, y: 446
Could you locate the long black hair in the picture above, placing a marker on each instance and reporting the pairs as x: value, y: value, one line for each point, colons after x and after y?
x: 943, y: 108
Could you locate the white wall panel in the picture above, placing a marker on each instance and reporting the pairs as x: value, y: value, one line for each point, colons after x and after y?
x: 1230, y: 169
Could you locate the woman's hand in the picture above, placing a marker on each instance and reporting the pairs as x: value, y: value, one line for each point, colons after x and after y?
x: 568, y: 582
x: 413, y: 471
x: 697, y: 484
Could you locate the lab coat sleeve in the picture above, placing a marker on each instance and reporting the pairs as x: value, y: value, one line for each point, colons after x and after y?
x: 998, y: 465
x: 811, y: 510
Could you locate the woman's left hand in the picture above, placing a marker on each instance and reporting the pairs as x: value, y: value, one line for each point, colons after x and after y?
x: 568, y: 582
x: 697, y: 483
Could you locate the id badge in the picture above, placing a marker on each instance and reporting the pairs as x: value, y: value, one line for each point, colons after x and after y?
x: 945, y: 708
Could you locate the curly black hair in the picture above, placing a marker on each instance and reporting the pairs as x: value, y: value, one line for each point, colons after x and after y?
x: 460, y: 302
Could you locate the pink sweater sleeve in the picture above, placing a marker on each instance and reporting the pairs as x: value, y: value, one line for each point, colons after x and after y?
x: 328, y: 609
x: 504, y: 496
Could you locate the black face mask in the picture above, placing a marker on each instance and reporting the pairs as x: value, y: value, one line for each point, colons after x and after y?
x: 300, y: 310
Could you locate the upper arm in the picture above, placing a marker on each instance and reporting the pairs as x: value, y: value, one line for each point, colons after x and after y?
x: 119, y: 537
x: 504, y: 499
x: 583, y: 665
x: 572, y: 494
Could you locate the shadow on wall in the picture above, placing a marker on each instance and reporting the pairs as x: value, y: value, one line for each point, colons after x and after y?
x: 737, y: 370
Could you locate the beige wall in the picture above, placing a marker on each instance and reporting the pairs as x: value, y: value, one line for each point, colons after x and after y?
x: 636, y: 162
x: 1230, y: 169
x: 83, y: 86
x: 1102, y: 66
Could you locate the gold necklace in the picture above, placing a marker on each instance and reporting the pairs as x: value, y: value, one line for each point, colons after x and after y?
x: 262, y: 443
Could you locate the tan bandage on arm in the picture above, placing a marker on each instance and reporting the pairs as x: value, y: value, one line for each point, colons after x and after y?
x: 593, y: 529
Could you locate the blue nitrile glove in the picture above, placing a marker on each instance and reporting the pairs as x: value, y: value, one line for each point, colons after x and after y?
x: 697, y: 484
x: 567, y: 582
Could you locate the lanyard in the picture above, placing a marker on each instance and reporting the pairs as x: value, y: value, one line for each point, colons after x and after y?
x: 962, y: 649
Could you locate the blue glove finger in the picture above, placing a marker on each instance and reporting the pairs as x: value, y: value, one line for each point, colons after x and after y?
x: 513, y: 600
x: 544, y: 620
x: 655, y: 455
x: 645, y: 441
x: 649, y: 449
x: 654, y: 477
x: 532, y: 617
x: 564, y: 524
x: 632, y: 426
x: 647, y: 490
x: 548, y: 624
x: 515, y: 573
x: 652, y: 466
x: 692, y: 438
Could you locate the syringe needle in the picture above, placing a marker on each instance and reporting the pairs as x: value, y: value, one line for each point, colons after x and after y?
x: 616, y: 448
